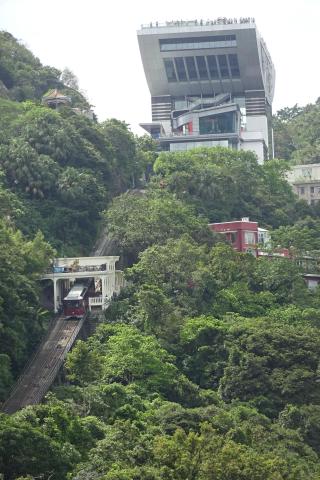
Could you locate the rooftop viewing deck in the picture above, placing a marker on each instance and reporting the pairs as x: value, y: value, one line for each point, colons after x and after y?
x: 199, y: 23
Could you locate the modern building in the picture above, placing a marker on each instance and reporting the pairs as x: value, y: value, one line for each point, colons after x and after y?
x: 211, y: 83
x: 305, y: 181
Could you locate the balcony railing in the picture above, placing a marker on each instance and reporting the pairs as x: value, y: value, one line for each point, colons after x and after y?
x: 77, y: 268
x: 94, y: 301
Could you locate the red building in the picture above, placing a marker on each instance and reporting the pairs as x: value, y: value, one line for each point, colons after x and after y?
x: 241, y: 234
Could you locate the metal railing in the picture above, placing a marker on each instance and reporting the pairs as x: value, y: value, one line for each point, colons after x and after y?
x: 95, y: 300
x: 199, y: 23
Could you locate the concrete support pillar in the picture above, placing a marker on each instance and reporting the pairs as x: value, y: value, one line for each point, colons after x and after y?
x: 104, y: 290
x: 55, y: 295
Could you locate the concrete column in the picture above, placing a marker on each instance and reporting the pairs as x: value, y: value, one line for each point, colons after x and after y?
x: 103, y: 290
x: 55, y: 295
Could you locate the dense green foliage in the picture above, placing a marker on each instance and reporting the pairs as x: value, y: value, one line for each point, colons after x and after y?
x: 297, y: 133
x: 64, y: 168
x: 22, y: 321
x: 207, y: 364
x: 223, y: 184
x: 58, y: 171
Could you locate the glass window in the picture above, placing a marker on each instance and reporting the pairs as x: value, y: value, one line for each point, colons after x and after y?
x: 224, y: 70
x: 212, y: 64
x: 181, y: 71
x: 233, y: 237
x: 171, y: 74
x: 249, y: 238
x: 221, y: 123
x: 191, y: 67
x: 312, y: 189
x: 202, y: 68
x: 234, y: 65
x: 307, y: 172
x: 180, y: 103
x: 302, y: 190
x: 191, y: 43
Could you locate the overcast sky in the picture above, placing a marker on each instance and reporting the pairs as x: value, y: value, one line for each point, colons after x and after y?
x: 96, y: 39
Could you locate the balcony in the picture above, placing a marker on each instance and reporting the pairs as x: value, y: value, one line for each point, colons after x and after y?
x: 95, y: 301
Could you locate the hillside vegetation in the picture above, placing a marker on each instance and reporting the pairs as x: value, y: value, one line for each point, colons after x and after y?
x: 207, y: 364
x: 297, y: 133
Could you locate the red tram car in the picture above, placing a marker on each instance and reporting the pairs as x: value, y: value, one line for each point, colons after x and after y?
x: 75, y: 304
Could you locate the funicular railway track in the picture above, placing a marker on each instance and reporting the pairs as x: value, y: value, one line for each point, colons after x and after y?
x: 43, y: 367
x: 40, y: 372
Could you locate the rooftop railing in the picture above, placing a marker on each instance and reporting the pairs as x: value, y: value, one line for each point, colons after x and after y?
x: 76, y: 268
x: 197, y: 23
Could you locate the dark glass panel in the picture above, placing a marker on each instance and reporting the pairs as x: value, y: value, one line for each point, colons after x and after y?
x: 202, y: 68
x: 221, y: 123
x: 234, y: 65
x: 224, y: 70
x: 188, y: 43
x: 212, y: 64
x: 171, y: 74
x: 191, y: 67
x: 181, y: 71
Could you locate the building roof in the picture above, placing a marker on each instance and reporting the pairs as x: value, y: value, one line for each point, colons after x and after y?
x: 55, y: 95
x: 181, y: 39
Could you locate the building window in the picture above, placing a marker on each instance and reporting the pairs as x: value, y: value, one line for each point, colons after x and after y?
x: 194, y: 43
x: 233, y: 237
x: 311, y: 189
x: 171, y: 74
x: 306, y: 172
x: 302, y: 190
x: 191, y: 67
x: 221, y: 123
x: 234, y: 65
x: 181, y: 71
x: 223, y: 65
x: 202, y: 68
x: 249, y: 238
x: 213, y: 68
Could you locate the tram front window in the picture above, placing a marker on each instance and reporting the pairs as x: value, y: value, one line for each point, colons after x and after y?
x: 73, y: 303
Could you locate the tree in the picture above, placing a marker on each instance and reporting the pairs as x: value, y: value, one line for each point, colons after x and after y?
x: 225, y: 184
x: 126, y: 356
x: 26, y: 449
x: 28, y: 171
x: 127, y: 170
x: 271, y: 365
x: 202, y: 349
x: 22, y: 73
x: 303, y: 236
x: 297, y: 133
x: 179, y: 269
x: 133, y: 230
x: 21, y: 325
x: 69, y: 79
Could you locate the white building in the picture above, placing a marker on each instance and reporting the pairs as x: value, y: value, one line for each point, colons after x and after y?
x: 65, y: 271
x: 305, y: 181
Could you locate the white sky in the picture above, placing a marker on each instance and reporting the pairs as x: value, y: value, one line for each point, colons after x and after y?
x: 96, y: 39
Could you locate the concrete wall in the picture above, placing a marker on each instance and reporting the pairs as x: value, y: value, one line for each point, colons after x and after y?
x: 305, y: 181
x: 256, y: 146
